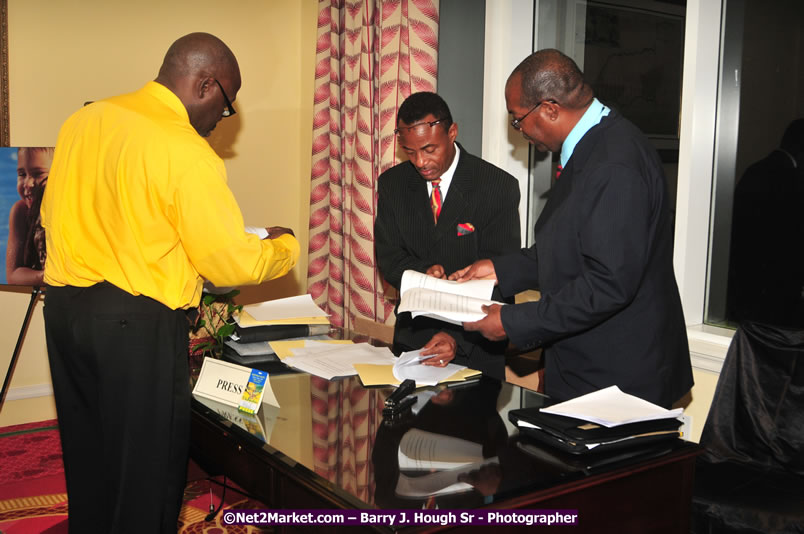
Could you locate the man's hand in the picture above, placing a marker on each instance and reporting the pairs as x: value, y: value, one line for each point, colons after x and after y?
x: 481, y: 269
x: 276, y: 231
x: 491, y: 326
x: 437, y: 271
x: 441, y: 349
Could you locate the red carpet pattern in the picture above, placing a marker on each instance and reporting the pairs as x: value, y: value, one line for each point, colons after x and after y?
x: 33, y: 496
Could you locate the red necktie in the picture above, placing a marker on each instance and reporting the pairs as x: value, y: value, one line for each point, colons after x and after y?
x: 559, y: 168
x: 435, y: 199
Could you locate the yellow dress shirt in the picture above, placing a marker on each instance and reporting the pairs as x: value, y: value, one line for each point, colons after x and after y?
x: 137, y: 198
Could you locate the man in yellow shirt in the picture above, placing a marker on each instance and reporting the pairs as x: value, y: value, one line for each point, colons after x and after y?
x: 137, y: 214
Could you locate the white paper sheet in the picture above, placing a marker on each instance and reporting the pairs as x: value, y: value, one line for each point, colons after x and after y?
x: 409, y: 365
x: 287, y: 308
x: 611, y: 407
x: 328, y: 361
x: 445, y: 300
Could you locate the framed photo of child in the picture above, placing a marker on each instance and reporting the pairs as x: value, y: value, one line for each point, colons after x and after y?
x: 23, y: 177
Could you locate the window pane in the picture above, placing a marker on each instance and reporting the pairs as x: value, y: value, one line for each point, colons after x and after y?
x: 756, y: 265
x: 631, y: 53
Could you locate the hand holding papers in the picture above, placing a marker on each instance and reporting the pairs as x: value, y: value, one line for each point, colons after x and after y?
x: 409, y: 366
x: 448, y: 301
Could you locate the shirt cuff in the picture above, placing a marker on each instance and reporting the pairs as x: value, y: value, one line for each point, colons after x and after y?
x: 262, y: 233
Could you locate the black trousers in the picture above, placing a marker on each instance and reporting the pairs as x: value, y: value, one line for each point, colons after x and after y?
x: 121, y: 382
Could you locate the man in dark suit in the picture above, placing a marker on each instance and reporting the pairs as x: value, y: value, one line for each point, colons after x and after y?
x: 609, y: 312
x: 477, y: 217
x: 766, y: 263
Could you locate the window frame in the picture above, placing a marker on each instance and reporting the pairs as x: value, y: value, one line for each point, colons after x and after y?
x: 510, y: 36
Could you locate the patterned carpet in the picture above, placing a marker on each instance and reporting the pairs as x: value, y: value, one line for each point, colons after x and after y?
x: 33, y: 498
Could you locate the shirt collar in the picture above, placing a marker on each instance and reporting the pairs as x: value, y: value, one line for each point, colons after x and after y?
x: 167, y: 97
x: 593, y: 115
x: 446, y: 178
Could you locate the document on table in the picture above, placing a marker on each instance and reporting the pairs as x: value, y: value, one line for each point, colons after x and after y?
x: 383, y: 375
x: 445, y: 300
x: 329, y: 361
x: 301, y: 306
x: 611, y: 407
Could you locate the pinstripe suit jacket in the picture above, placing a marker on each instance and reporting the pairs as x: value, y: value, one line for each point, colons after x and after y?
x: 407, y: 238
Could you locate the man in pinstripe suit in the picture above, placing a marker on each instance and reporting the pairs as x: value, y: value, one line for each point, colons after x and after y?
x: 478, y: 218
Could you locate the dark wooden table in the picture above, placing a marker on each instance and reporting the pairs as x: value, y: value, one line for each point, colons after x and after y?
x: 312, y: 454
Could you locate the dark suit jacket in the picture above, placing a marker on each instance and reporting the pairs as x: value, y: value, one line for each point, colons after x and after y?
x: 610, y: 311
x: 766, y: 262
x: 406, y: 237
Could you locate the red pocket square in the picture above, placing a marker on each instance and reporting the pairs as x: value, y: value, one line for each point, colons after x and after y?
x: 465, y: 228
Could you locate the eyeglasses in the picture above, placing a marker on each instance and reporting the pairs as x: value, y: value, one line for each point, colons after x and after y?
x: 430, y: 124
x: 230, y: 110
x: 517, y: 123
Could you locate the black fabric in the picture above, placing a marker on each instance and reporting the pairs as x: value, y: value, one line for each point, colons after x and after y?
x: 757, y: 415
x: 122, y: 389
x: 751, y: 475
x: 766, y: 273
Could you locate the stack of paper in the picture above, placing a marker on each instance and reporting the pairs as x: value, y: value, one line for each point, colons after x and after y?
x: 445, y: 300
x: 291, y: 317
x: 611, y: 407
x: 292, y: 310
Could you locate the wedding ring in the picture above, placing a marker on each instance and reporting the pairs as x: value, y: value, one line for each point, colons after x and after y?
x: 441, y: 362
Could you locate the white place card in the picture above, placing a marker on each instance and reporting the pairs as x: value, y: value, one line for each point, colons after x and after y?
x: 226, y: 382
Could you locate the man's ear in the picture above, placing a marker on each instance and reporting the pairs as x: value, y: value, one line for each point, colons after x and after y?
x: 203, y: 85
x: 453, y: 132
x: 550, y: 110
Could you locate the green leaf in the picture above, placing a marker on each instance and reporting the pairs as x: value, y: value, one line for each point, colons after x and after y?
x: 226, y: 330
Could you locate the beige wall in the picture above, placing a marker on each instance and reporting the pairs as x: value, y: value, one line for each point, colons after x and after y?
x: 62, y: 54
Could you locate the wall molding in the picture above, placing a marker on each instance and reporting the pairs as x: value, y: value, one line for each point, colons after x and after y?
x: 708, y: 346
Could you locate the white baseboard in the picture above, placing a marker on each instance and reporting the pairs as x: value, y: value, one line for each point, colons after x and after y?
x: 30, y: 392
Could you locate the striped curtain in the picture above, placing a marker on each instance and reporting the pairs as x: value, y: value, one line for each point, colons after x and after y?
x: 370, y: 55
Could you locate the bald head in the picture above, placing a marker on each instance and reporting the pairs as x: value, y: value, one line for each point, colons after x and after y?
x: 203, y: 72
x: 550, y: 75
x: 194, y: 53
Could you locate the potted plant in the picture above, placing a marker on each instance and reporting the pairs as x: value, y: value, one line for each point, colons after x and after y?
x: 214, y: 323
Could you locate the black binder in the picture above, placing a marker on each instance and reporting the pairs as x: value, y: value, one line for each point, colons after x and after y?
x: 252, y: 334
x: 576, y: 435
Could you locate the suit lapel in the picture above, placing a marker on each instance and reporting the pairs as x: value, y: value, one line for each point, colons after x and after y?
x: 420, y: 199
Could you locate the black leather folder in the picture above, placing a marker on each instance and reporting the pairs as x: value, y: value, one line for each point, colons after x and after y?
x: 577, y: 436
x: 252, y: 334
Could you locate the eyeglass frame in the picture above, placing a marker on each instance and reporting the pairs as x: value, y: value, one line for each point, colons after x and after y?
x: 230, y: 110
x: 516, y: 124
x: 399, y: 129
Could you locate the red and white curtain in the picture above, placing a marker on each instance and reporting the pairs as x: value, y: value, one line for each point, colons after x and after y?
x: 370, y: 56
